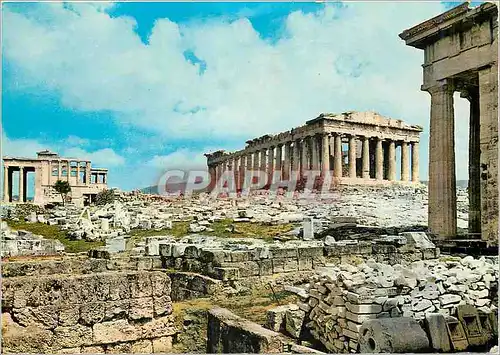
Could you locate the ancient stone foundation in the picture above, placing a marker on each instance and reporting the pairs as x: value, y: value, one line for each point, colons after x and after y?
x: 118, y: 312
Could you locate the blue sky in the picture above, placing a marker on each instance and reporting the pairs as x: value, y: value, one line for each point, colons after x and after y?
x: 144, y: 87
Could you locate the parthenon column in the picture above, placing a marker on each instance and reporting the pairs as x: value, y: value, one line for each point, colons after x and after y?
x: 314, y: 153
x: 271, y: 165
x: 59, y: 170
x: 337, y: 156
x: 414, y: 162
x: 442, y: 208
x: 278, y: 165
x: 213, y: 176
x: 263, y: 159
x: 256, y: 160
x: 6, y: 184
x: 286, y: 160
x: 218, y: 171
x: 379, y: 160
x: 366, y: 158
x: 325, y: 154
x: 296, y: 157
x: 405, y: 163
x: 303, y: 159
x: 21, y: 184
x: 78, y: 173
x: 352, y: 157
x: 391, y: 174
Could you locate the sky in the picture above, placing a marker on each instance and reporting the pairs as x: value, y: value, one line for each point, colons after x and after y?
x: 141, y: 88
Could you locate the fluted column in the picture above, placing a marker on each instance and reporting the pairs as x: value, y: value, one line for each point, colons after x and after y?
x: 325, y: 154
x: 286, y: 160
x: 391, y: 174
x: 21, y: 184
x: 278, y: 163
x: 6, y: 184
x: 59, y: 170
x: 366, y: 158
x: 314, y: 153
x: 78, y: 173
x: 414, y: 162
x: 352, y: 157
x: 474, y: 162
x: 303, y: 159
x: 263, y: 160
x: 405, y: 163
x: 296, y: 156
x: 219, y: 171
x: 213, y: 176
x: 442, y: 184
x: 379, y: 160
x: 271, y: 164
x: 337, y: 156
x: 256, y: 160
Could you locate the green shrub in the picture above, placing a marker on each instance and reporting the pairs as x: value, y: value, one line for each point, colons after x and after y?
x: 104, y: 197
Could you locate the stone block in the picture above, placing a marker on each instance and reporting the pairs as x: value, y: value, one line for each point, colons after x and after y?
x: 92, y: 350
x: 226, y: 273
x: 191, y: 252
x: 350, y: 334
x: 140, y: 284
x: 275, y: 318
x: 309, y: 252
x: 114, y: 332
x: 160, y: 283
x: 92, y: 313
x: 68, y: 316
x: 43, y: 316
x: 162, y: 305
x: 120, y: 348
x: 469, y: 317
x: 359, y: 318
x: 456, y: 333
x: 116, y: 309
x: 294, y: 319
x: 142, y: 347
x: 158, y: 327
x: 75, y: 335
x: 265, y: 267
x: 290, y: 265
x: 438, y: 332
x: 363, y: 308
x: 162, y: 345
x: 278, y: 265
x: 141, y: 308
x: 240, y: 255
x: 305, y: 264
x: 281, y: 253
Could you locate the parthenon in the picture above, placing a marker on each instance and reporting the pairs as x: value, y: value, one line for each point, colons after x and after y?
x: 49, y: 167
x: 355, y: 147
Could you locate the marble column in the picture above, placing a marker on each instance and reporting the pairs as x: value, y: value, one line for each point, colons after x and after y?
x: 50, y: 173
x: 414, y: 162
x: 379, y: 160
x: 59, y: 170
x: 325, y: 154
x: 474, y: 162
x: 337, y: 156
x: 366, y: 158
x: 6, y: 191
x: 278, y: 165
x: 263, y: 160
x: 304, y: 165
x: 352, y: 157
x: 391, y: 174
x: 314, y: 153
x: 213, y: 176
x: 256, y: 160
x: 271, y: 164
x: 405, y: 163
x: 287, y: 150
x: 219, y: 171
x: 21, y: 184
x: 442, y: 208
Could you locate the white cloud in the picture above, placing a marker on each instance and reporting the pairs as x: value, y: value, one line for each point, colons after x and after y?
x: 332, y: 61
x: 106, y: 157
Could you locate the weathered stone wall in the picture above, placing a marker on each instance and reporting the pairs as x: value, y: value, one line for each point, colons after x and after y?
x: 104, y: 312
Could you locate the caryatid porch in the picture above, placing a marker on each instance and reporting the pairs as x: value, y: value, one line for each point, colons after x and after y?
x: 354, y: 147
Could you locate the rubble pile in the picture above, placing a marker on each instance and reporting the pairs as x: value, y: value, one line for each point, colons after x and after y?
x: 340, y: 298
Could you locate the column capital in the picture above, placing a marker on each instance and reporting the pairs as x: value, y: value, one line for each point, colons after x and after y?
x: 442, y: 86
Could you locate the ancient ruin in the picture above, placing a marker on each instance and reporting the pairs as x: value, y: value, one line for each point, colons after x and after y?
x: 48, y: 167
x: 372, y: 141
x: 359, y: 269
x: 461, y: 54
